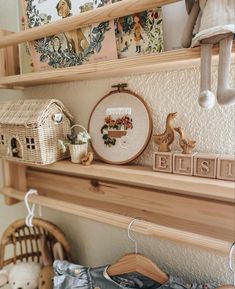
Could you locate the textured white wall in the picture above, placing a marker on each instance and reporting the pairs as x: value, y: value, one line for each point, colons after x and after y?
x: 96, y: 244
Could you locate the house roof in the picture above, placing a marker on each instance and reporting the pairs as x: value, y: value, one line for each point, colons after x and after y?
x: 29, y: 112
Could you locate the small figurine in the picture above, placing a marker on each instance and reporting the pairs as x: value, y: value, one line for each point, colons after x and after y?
x: 186, y: 145
x: 87, y: 159
x: 165, y: 139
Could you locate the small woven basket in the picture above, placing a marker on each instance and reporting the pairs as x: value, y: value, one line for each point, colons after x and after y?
x: 24, y: 242
x: 78, y: 150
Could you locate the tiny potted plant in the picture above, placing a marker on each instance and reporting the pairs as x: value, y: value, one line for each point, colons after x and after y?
x: 77, y: 143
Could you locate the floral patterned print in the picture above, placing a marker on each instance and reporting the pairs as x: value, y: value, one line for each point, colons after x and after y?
x: 71, y: 276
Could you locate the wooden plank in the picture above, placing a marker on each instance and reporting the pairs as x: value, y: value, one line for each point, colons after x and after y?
x: 143, y: 176
x: 9, y: 57
x: 122, y: 221
x: 134, y: 65
x: 14, y: 177
x: 109, y: 12
x: 192, y: 214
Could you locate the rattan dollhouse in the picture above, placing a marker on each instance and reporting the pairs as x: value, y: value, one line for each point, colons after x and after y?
x: 30, y: 129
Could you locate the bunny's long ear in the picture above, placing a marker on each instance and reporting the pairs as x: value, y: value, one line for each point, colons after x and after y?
x: 58, y: 251
x: 4, y: 275
x: 189, y: 5
x: 46, y: 256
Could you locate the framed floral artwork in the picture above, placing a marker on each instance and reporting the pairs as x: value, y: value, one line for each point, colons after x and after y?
x: 139, y: 34
x: 120, y: 126
x: 85, y: 45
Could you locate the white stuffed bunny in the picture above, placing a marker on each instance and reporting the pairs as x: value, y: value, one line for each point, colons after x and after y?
x: 22, y: 276
x: 216, y: 19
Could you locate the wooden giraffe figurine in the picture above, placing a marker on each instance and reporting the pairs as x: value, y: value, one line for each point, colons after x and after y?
x: 165, y: 139
x: 186, y: 145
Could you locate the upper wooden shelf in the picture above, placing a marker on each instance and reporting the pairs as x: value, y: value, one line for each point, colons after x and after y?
x: 134, y: 65
x: 109, y: 12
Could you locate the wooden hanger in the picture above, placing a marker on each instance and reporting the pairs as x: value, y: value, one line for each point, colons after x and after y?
x: 135, y: 262
x: 232, y: 268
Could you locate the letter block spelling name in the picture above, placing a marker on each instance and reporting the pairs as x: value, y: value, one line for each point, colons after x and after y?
x: 162, y: 162
x: 183, y: 164
x: 226, y: 168
x: 205, y: 165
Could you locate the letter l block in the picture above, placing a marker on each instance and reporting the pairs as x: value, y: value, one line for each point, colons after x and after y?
x: 183, y: 164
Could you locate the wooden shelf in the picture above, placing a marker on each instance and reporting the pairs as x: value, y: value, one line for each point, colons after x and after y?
x: 143, y: 176
x: 191, y: 210
x: 109, y: 12
x: 136, y: 65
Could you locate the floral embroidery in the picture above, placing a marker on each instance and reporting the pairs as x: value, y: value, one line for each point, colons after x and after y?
x: 115, y: 129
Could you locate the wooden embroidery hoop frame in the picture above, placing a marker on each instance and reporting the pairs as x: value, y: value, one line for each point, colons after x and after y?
x: 121, y: 88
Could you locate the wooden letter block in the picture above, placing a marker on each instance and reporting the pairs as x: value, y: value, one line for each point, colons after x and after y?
x: 226, y: 168
x: 205, y: 165
x: 162, y: 162
x: 183, y: 164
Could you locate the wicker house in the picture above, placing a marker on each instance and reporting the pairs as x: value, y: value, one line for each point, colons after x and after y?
x: 30, y: 129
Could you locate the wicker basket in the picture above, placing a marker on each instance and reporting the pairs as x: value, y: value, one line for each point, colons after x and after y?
x: 78, y: 150
x: 24, y: 242
x: 29, y: 130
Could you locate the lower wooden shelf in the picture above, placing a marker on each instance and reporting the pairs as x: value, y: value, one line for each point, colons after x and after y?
x: 116, y: 194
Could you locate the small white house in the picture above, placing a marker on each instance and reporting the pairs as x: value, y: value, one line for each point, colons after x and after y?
x: 30, y: 129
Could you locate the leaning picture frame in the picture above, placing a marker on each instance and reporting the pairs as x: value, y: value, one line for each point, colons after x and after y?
x: 85, y: 45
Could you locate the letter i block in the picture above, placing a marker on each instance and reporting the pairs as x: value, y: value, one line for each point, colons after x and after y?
x: 205, y: 165
x: 162, y: 162
x: 226, y: 168
x: 183, y: 164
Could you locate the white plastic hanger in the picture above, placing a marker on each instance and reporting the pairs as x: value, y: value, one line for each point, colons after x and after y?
x: 139, y: 263
x: 30, y: 216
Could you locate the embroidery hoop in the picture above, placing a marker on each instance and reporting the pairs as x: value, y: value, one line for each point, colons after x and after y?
x: 93, y: 123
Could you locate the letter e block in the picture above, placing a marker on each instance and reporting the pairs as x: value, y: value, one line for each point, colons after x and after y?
x: 205, y: 165
x: 183, y: 164
x: 226, y: 168
x: 162, y: 162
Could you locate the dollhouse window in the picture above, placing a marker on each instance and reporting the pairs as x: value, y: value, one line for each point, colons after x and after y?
x: 30, y: 143
x: 2, y: 140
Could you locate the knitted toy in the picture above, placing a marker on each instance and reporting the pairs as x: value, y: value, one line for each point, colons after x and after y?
x: 216, y: 21
x: 22, y: 275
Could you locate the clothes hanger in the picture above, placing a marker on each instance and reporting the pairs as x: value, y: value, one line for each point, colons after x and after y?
x: 30, y: 216
x: 136, y: 262
x: 232, y: 268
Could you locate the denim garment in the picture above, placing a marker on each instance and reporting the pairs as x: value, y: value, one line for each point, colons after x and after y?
x: 71, y: 276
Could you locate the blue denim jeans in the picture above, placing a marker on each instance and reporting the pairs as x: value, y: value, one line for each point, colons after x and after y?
x: 71, y: 276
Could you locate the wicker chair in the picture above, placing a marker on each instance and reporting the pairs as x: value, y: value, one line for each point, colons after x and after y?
x: 26, y: 241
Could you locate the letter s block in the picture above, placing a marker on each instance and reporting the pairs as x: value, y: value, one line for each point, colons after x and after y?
x: 226, y: 168
x: 162, y: 162
x: 205, y: 165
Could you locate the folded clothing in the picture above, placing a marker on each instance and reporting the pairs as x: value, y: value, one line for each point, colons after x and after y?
x: 71, y: 276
